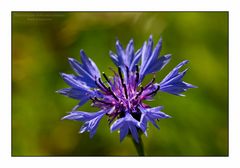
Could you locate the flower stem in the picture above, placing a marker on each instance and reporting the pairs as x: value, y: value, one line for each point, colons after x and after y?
x: 139, y: 146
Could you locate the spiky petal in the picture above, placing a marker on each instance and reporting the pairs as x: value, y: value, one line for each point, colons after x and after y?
x: 125, y: 124
x: 173, y: 83
x: 151, y: 114
x: 91, y: 119
x: 151, y: 62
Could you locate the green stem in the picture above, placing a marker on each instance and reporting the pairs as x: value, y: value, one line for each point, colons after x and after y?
x: 139, y: 146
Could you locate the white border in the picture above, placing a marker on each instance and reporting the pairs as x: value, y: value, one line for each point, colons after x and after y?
x: 120, y: 5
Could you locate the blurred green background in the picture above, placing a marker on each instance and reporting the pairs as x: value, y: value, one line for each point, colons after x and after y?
x: 42, y: 42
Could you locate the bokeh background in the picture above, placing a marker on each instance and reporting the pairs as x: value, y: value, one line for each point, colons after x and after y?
x: 42, y: 42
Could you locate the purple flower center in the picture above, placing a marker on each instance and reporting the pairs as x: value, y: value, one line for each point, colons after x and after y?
x: 124, y: 94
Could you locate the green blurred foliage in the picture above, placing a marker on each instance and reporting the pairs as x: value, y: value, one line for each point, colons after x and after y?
x: 42, y: 42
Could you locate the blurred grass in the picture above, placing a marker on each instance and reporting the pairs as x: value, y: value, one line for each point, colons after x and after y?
x: 42, y: 42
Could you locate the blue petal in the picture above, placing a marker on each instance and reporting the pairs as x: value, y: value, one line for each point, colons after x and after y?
x: 134, y: 132
x: 150, y: 118
x: 123, y: 132
x: 78, y: 68
x: 158, y: 64
x: 173, y: 83
x: 83, y: 100
x: 175, y: 70
x: 130, y: 52
x: 150, y: 61
x: 151, y: 114
x: 121, y: 54
x: 135, y: 61
x: 157, y: 50
x: 78, y: 91
x: 91, y: 125
x: 147, y: 51
x: 143, y: 123
x: 82, y: 94
x: 144, y: 56
x: 117, y: 124
x: 83, y: 73
x: 114, y: 58
x: 87, y: 71
x: 89, y: 65
x: 126, y: 58
x: 72, y: 81
x: 75, y: 93
x: 124, y: 124
x: 91, y: 119
x: 82, y: 116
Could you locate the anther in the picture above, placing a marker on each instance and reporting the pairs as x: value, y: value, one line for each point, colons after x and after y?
x: 99, y: 86
x: 110, y: 90
x: 125, y: 90
x: 115, y: 73
x: 104, y: 86
x: 101, y: 101
x: 127, y: 72
x: 150, y: 83
x: 155, y: 91
x: 139, y: 93
x: 137, y: 74
x: 111, y: 120
x: 91, y: 98
x: 105, y: 76
x: 120, y: 74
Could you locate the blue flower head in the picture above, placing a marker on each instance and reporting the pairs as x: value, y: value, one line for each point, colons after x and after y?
x: 121, y: 97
